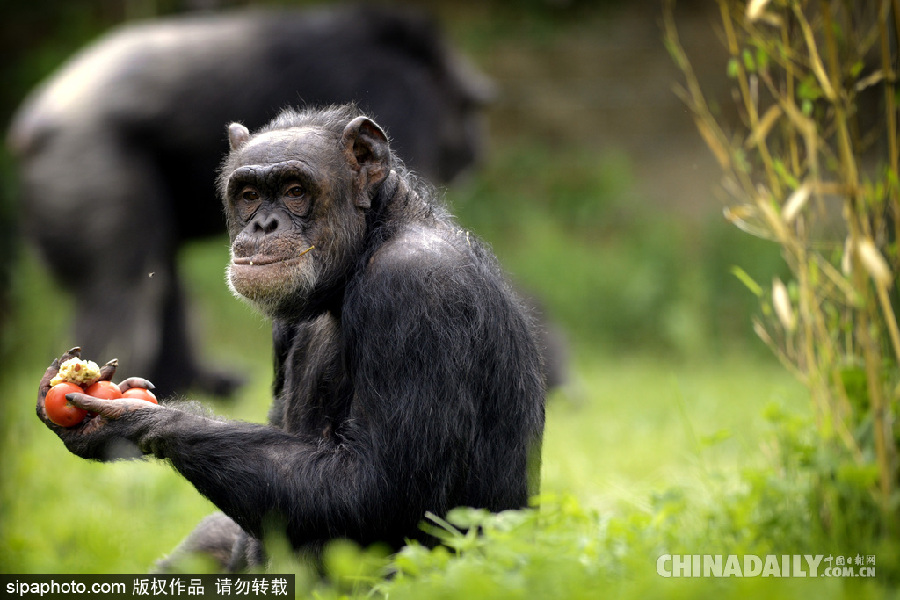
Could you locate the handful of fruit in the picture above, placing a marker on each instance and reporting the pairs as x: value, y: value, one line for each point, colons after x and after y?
x: 77, y: 376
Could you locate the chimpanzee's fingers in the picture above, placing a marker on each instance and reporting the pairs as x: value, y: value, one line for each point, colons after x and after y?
x: 49, y: 374
x: 43, y: 388
x: 42, y: 415
x: 72, y: 353
x: 108, y: 370
x: 111, y: 409
x: 101, y: 407
x: 138, y: 382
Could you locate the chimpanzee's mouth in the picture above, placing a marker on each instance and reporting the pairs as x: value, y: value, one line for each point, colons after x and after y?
x: 266, y: 259
x: 259, y: 259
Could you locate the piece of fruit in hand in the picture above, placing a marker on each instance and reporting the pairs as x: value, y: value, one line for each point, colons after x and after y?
x: 77, y: 371
x: 139, y: 393
x: 59, y: 410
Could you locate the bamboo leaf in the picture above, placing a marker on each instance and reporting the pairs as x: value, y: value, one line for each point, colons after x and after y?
x: 748, y: 281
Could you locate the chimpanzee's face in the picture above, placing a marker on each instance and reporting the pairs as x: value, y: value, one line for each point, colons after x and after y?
x: 293, y: 224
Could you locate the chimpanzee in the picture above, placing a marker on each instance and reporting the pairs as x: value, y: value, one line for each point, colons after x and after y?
x: 122, y: 145
x: 407, y: 376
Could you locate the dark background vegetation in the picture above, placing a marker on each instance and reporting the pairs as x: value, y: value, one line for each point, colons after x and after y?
x: 592, y: 158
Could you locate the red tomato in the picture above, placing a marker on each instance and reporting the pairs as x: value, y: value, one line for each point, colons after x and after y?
x: 105, y: 390
x: 139, y: 393
x: 59, y: 410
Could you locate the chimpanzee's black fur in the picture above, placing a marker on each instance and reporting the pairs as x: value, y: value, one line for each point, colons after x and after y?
x: 408, y: 382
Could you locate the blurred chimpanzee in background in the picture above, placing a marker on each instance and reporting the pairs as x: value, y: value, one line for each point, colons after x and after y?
x: 117, y: 152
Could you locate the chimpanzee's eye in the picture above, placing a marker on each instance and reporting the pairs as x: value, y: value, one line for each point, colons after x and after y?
x: 248, y: 203
x: 296, y: 198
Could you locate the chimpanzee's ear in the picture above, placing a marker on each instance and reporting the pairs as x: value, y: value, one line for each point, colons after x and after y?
x: 237, y: 135
x: 367, y: 151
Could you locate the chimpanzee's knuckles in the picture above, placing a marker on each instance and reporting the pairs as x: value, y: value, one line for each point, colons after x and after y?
x: 108, y: 370
x: 71, y: 353
x: 104, y: 437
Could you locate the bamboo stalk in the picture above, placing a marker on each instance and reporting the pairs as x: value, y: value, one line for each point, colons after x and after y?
x: 859, y: 224
x: 750, y: 99
x: 843, y: 318
x: 789, y: 93
x: 845, y: 146
x: 890, y: 79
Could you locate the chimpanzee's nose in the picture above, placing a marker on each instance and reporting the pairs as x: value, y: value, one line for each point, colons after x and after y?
x: 266, y: 223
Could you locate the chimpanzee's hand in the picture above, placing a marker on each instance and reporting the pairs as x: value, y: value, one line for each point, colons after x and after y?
x: 116, y: 428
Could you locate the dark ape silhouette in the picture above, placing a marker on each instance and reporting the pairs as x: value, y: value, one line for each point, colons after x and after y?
x: 119, y: 149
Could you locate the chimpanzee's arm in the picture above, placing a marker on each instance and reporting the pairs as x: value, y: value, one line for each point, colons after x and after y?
x: 408, y: 335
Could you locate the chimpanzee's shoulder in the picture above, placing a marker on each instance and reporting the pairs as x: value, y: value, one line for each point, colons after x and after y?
x: 419, y: 247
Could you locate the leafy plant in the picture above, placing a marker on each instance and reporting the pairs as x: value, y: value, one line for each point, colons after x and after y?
x: 809, y: 167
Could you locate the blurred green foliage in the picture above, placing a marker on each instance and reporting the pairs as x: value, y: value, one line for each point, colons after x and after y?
x: 563, y: 217
x: 618, y: 272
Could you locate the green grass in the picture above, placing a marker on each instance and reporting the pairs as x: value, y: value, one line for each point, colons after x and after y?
x: 624, y: 427
x: 643, y: 425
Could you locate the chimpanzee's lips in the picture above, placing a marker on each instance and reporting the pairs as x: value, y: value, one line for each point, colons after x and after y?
x: 267, y: 259
x: 260, y: 259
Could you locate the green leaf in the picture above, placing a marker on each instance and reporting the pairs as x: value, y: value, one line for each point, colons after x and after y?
x: 749, y: 63
x: 748, y: 281
x: 860, y: 476
x: 716, y: 438
x: 762, y: 59
x: 809, y: 89
x: 466, y: 518
x: 733, y: 68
